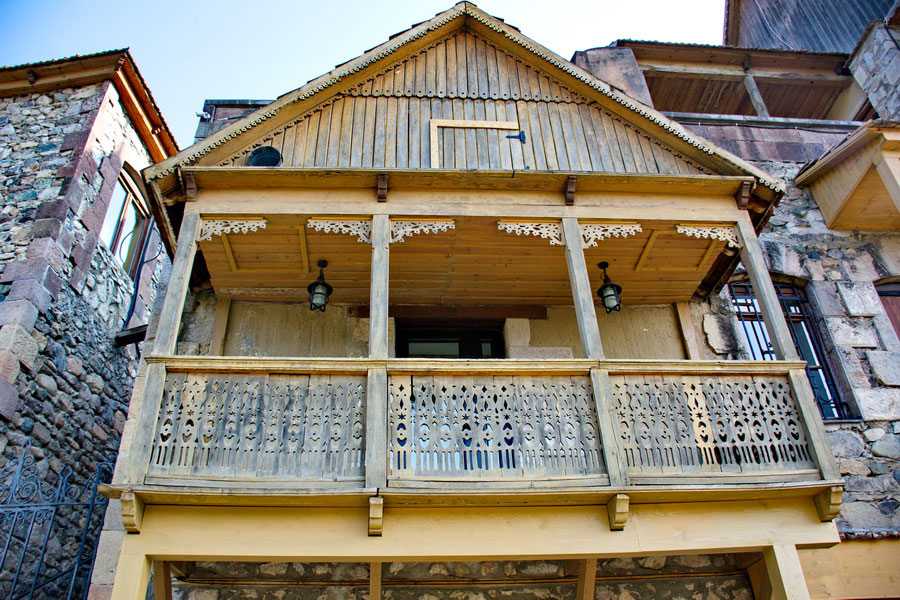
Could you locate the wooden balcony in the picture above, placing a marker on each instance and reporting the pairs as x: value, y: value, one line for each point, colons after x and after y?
x: 518, y: 430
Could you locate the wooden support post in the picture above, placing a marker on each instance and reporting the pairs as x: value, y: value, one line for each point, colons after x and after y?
x: 376, y: 428
x: 378, y: 291
x: 785, y: 573
x: 610, y: 443
x: 587, y: 579
x: 581, y: 290
x: 888, y: 167
x: 132, y: 575
x: 814, y: 428
x: 165, y: 343
x: 688, y: 331
x: 375, y: 581
x: 764, y: 291
x: 756, y: 98
x: 220, y: 327
x: 162, y: 580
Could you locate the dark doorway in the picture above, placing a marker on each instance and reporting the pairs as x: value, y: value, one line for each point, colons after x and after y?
x: 450, y: 338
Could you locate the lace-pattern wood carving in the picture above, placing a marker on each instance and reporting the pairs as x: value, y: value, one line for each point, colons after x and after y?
x: 469, y: 427
x: 263, y: 427
x: 709, y: 424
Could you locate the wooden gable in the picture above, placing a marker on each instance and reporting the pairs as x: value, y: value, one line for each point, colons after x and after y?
x: 460, y: 103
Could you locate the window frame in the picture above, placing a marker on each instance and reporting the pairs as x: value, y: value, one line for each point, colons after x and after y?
x: 470, y: 334
x: 133, y: 197
x: 798, y: 314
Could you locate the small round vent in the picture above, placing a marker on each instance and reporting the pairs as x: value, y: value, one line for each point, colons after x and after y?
x: 264, y: 156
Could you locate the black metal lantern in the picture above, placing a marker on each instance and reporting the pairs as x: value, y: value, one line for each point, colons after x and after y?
x: 319, y: 291
x: 609, y: 292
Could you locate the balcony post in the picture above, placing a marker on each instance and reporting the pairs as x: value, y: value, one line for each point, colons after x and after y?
x: 783, y: 345
x: 785, y: 573
x: 148, y: 402
x: 593, y: 348
x: 376, y: 385
x: 764, y: 291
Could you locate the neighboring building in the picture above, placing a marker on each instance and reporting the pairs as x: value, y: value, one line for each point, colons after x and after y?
x: 81, y: 257
x: 464, y: 184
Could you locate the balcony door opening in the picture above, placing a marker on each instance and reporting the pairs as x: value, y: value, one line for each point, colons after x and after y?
x: 450, y: 338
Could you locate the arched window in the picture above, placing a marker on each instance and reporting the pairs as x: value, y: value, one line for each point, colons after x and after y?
x: 804, y: 334
x: 126, y: 222
x: 890, y: 298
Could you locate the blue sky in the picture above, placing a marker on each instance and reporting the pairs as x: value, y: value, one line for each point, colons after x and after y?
x: 189, y: 51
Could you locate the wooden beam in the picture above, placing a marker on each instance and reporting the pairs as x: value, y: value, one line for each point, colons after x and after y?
x: 378, y: 291
x: 170, y: 315
x: 611, y: 442
x: 888, y: 168
x: 815, y: 432
x: 162, y: 580
x: 785, y: 572
x: 736, y: 72
x: 304, y: 251
x: 756, y: 98
x: 585, y: 312
x: 764, y: 291
x: 375, y: 581
x: 376, y: 430
x: 455, y: 312
x: 132, y: 575
x: 587, y: 579
x: 220, y: 327
x: 688, y: 331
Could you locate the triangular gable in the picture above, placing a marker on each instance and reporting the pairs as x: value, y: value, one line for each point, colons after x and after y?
x: 572, y: 121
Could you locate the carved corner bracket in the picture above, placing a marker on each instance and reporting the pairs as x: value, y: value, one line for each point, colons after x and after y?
x: 548, y: 230
x: 211, y: 227
x: 361, y: 229
x: 725, y: 233
x: 617, y: 510
x: 376, y: 516
x: 401, y: 229
x: 591, y: 233
x: 828, y: 502
x: 132, y: 511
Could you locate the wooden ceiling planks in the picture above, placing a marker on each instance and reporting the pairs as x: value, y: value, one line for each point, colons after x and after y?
x: 473, y: 264
x: 384, y: 122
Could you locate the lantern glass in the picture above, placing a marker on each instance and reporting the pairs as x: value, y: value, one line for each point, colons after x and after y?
x: 609, y: 292
x: 319, y: 291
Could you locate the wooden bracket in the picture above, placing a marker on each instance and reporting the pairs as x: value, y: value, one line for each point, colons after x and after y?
x: 132, y: 511
x: 570, y: 190
x: 32, y: 76
x: 617, y: 510
x: 376, y: 516
x: 742, y: 197
x: 381, y: 187
x: 828, y: 502
x: 190, y: 186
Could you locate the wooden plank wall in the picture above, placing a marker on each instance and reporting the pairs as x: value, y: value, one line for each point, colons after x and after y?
x: 822, y: 25
x: 384, y: 121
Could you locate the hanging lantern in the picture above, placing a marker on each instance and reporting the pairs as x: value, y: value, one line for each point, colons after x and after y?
x: 609, y: 292
x: 319, y: 291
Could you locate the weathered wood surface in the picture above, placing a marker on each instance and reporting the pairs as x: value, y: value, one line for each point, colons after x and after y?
x: 472, y: 427
x: 681, y: 424
x: 384, y: 122
x: 260, y: 426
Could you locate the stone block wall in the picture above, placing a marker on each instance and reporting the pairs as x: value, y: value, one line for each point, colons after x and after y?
x: 876, y: 68
x: 63, y: 381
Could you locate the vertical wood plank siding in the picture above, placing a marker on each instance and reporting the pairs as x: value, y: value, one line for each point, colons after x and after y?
x: 822, y: 25
x: 384, y: 121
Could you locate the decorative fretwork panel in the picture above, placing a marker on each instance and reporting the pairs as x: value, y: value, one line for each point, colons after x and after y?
x: 261, y: 426
x: 681, y: 424
x: 463, y: 427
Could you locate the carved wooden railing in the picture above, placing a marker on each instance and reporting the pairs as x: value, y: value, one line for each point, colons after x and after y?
x: 510, y: 426
x: 696, y: 424
x: 261, y: 426
x: 285, y: 423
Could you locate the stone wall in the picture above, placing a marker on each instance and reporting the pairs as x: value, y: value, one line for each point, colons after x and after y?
x: 660, y: 577
x: 876, y: 68
x: 63, y: 381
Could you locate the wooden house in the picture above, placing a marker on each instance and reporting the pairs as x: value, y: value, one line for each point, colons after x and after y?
x: 464, y: 396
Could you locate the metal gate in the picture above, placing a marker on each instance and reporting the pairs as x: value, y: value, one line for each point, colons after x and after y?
x: 48, y: 530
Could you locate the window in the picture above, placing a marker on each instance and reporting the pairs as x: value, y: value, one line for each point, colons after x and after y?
x: 890, y: 298
x: 125, y: 223
x: 454, y: 338
x: 804, y: 334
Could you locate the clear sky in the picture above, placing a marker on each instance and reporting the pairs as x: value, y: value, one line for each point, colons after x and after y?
x: 188, y: 51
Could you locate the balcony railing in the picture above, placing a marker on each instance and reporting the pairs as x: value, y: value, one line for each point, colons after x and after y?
x: 302, y: 423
